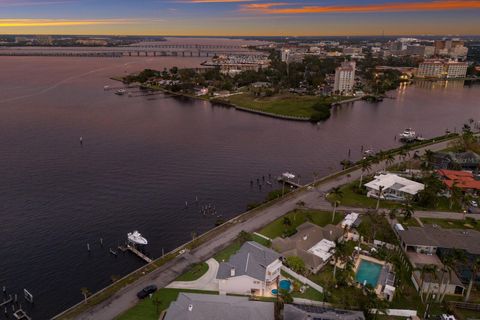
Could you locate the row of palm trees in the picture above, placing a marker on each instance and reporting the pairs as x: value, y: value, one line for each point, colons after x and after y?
x: 449, y: 262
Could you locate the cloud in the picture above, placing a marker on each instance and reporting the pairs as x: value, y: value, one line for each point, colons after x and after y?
x: 64, y: 22
x: 29, y: 3
x: 435, y: 5
x: 212, y: 1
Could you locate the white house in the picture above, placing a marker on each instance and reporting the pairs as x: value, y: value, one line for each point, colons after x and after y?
x: 254, y: 269
x: 393, y: 187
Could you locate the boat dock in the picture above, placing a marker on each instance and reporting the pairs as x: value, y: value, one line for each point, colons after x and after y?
x: 20, y: 314
x: 289, y: 182
x: 136, y: 252
x: 6, y: 302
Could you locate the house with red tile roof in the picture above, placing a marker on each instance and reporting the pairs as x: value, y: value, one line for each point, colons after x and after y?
x: 464, y: 180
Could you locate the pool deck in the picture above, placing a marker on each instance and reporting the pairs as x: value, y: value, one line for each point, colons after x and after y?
x: 378, y: 287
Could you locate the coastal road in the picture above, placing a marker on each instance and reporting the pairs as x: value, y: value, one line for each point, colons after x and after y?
x: 314, y: 198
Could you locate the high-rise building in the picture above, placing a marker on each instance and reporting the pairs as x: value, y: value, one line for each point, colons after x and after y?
x: 453, y: 48
x: 442, y: 69
x: 344, y: 78
x: 456, y: 69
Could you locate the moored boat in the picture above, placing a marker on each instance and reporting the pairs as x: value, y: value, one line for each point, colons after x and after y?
x: 136, y: 238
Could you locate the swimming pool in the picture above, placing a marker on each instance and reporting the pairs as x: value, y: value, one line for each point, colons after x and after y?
x: 368, y: 272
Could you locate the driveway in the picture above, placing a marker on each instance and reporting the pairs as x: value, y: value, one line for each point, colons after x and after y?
x: 206, y: 282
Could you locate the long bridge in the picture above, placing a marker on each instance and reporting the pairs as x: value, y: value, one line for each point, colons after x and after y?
x: 147, y: 50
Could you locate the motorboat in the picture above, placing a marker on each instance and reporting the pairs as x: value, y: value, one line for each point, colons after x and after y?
x: 288, y: 175
x: 120, y: 92
x: 136, y: 238
x: 408, y: 134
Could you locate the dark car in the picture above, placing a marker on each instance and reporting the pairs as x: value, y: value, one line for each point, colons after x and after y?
x: 146, y: 292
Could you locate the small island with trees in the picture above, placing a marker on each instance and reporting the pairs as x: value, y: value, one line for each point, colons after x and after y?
x: 294, y: 91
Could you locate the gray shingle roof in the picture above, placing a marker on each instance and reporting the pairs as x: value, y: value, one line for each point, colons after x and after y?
x: 304, y: 312
x: 192, y: 306
x: 430, y: 235
x: 252, y: 259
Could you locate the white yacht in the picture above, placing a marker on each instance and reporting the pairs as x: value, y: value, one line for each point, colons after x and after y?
x: 137, y: 238
x: 408, y: 134
x: 288, y: 175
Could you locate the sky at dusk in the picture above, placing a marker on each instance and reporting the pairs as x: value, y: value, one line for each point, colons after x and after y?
x: 240, y: 17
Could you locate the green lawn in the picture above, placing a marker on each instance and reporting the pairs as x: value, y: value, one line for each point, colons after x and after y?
x: 225, y: 254
x: 261, y: 240
x: 469, y: 223
x: 297, y: 217
x: 194, y: 273
x: 284, y: 104
x: 412, y: 222
x: 147, y: 310
x: 310, y: 293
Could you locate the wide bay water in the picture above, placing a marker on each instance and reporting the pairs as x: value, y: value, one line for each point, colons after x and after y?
x: 143, y: 157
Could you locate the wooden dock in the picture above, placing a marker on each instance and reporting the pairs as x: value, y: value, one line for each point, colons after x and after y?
x: 20, y: 314
x: 289, y: 182
x: 6, y: 301
x: 138, y: 253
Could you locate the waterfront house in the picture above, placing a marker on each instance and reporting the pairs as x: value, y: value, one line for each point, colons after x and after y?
x: 193, y: 306
x: 464, y: 180
x: 253, y: 270
x: 390, y: 186
x: 313, y: 244
x: 457, y: 161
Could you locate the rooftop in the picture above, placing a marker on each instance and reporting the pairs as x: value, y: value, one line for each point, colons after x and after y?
x: 461, y: 179
x: 252, y: 259
x: 434, y: 236
x: 395, y: 182
x: 304, y: 312
x: 192, y: 306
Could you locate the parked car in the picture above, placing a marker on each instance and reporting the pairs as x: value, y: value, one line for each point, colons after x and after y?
x: 146, y: 291
x: 474, y: 203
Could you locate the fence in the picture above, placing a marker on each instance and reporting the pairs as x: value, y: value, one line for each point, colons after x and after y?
x: 302, y: 279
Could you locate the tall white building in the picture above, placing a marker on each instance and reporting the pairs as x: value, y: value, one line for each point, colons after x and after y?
x: 345, y: 78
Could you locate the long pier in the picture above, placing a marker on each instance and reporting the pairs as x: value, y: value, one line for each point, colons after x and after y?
x: 137, y: 253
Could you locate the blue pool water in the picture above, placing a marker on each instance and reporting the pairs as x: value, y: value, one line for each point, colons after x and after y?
x: 274, y: 291
x: 369, y: 272
x: 285, y: 285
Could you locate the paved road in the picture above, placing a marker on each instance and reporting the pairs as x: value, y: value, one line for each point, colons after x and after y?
x: 125, y: 298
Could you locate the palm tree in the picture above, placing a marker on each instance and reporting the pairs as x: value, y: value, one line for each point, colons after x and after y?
x: 407, y: 209
x: 86, y: 293
x: 455, y: 195
x: 475, y: 266
x: 448, y: 261
x: 365, y: 166
x: 336, y: 195
x: 432, y: 271
x: 429, y: 158
x: 380, y: 193
x: 381, y: 155
x: 423, y: 270
x: 389, y: 160
x: 339, y: 254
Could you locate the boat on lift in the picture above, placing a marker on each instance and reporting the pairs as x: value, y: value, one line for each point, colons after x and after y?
x: 288, y: 175
x: 408, y: 135
x: 120, y: 92
x: 136, y: 238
